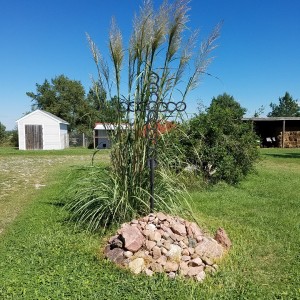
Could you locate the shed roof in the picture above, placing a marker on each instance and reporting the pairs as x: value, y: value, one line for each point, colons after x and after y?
x: 53, y: 117
x: 108, y: 126
x: 272, y: 119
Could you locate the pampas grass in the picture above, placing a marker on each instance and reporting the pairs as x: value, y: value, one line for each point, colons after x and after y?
x: 157, y: 44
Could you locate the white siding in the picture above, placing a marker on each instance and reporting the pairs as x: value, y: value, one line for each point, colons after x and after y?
x: 64, y: 136
x: 55, y: 134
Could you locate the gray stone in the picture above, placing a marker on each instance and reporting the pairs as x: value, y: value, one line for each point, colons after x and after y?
x: 192, y: 243
x: 147, y: 232
x: 157, y: 236
x: 199, y: 238
x: 172, y: 275
x: 106, y: 250
x: 141, y: 253
x: 113, y: 238
x: 116, y: 243
x: 145, y: 219
x: 167, y: 245
x: 182, y: 245
x: 116, y: 255
x: 178, y: 237
x: 159, y: 243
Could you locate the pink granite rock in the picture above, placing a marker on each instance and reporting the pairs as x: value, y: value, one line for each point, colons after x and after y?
x: 194, y: 271
x: 171, y: 266
x: 196, y: 262
x: 163, y: 243
x: 133, y: 238
x: 209, y: 248
x: 161, y: 216
x: 222, y: 238
x: 179, y: 229
x: 156, y: 252
x: 149, y: 245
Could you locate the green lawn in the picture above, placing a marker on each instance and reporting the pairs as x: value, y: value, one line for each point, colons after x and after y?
x: 43, y: 257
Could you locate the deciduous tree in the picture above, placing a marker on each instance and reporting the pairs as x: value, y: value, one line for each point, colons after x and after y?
x: 287, y: 107
x: 220, y: 143
x: 64, y: 98
x: 2, y: 132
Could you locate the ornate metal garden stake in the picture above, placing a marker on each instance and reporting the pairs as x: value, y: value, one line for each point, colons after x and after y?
x: 155, y: 106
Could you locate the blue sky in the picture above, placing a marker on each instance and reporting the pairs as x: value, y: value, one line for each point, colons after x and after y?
x: 257, y: 61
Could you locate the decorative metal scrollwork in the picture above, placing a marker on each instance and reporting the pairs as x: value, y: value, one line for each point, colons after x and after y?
x: 155, y: 107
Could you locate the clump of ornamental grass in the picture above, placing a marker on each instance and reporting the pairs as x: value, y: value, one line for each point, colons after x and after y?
x: 157, y: 44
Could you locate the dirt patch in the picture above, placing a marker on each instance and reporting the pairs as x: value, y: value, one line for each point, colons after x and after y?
x: 22, y: 177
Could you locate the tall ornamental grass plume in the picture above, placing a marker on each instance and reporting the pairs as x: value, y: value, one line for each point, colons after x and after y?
x: 158, y: 45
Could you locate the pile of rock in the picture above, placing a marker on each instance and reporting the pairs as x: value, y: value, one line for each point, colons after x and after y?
x: 163, y: 243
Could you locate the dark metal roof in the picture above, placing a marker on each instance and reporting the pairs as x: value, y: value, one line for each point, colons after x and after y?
x: 272, y: 119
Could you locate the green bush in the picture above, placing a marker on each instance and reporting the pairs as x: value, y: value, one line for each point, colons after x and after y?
x: 218, y: 143
x: 2, y: 133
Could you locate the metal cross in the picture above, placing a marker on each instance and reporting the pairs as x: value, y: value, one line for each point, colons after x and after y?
x: 155, y: 106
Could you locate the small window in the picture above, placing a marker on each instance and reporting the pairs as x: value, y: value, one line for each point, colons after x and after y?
x: 104, y: 145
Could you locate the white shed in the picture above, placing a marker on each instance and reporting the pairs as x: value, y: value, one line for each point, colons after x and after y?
x: 42, y: 130
x: 102, y: 132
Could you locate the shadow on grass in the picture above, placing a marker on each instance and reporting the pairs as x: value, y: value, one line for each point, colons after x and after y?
x: 57, y: 204
x: 284, y: 155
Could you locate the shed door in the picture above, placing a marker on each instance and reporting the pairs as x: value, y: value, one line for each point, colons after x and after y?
x: 34, y: 137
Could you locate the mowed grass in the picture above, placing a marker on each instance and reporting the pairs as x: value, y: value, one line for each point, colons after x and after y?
x: 23, y: 173
x: 44, y: 257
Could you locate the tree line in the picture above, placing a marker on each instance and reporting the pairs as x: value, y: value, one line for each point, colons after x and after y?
x: 68, y: 100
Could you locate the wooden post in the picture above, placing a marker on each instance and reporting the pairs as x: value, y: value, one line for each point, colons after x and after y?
x: 283, y: 134
x: 94, y: 138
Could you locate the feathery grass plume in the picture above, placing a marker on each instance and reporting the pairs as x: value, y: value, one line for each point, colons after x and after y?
x: 116, y: 52
x: 203, y: 59
x: 156, y: 45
